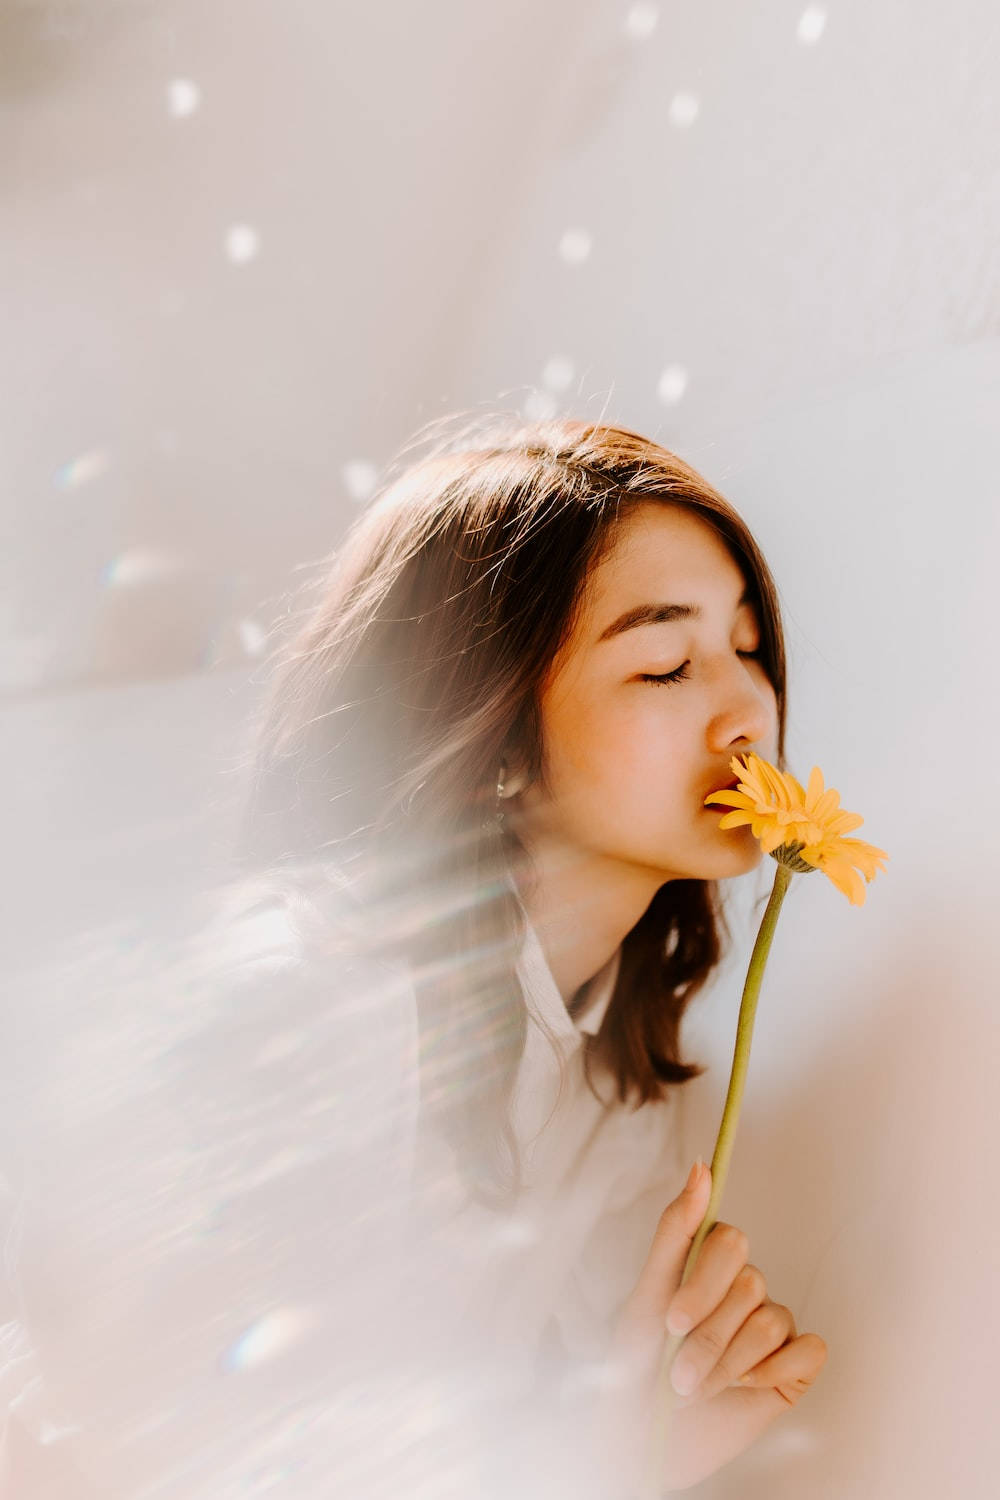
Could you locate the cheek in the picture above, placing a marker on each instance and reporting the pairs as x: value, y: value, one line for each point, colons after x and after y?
x: 574, y: 739
x: 614, y: 743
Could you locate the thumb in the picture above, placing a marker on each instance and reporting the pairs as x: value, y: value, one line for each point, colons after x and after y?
x: 679, y: 1223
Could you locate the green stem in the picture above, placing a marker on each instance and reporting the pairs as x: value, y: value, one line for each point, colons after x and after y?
x: 663, y: 1400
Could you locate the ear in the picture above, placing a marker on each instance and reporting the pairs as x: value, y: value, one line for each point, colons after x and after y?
x: 515, y: 777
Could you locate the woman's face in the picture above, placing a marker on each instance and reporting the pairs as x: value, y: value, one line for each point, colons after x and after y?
x: 628, y: 761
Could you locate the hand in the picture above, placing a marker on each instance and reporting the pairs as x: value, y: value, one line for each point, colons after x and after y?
x: 747, y: 1362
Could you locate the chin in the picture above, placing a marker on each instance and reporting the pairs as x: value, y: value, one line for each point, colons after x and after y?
x: 737, y: 861
x: 737, y: 856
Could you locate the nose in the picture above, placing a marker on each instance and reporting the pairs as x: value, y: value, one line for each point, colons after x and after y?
x: 747, y: 711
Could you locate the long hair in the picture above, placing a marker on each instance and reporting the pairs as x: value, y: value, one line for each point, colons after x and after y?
x: 419, y: 666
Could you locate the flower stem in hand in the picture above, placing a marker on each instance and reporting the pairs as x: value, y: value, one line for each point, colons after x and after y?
x: 664, y: 1392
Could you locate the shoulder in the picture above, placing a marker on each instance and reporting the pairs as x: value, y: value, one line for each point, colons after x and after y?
x: 323, y: 972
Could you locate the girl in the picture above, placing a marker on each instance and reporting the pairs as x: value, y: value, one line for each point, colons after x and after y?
x: 532, y: 659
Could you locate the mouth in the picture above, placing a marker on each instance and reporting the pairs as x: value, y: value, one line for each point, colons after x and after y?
x: 729, y: 786
x: 715, y: 807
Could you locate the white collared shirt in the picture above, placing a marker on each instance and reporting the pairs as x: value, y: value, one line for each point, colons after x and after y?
x: 556, y: 1271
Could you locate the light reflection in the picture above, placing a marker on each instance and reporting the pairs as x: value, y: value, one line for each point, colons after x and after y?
x: 672, y: 384
x: 82, y: 469
x: 684, y: 110
x: 139, y: 565
x: 252, y: 637
x: 558, y: 373
x: 539, y: 406
x: 242, y: 243
x: 812, y: 24
x: 359, y: 478
x: 642, y: 20
x: 575, y: 246
x: 265, y: 1338
x: 178, y: 1153
x: 183, y: 97
x: 264, y: 938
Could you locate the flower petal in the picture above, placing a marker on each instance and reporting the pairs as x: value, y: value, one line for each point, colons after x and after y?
x: 846, y: 879
x: 751, y: 783
x: 777, y: 785
x: 771, y: 839
x: 865, y: 856
x: 731, y: 799
x: 814, y: 791
x: 844, y: 822
x: 796, y: 790
x: 825, y: 808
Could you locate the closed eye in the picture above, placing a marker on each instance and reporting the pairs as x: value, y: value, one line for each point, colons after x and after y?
x: 681, y: 672
x: 677, y: 675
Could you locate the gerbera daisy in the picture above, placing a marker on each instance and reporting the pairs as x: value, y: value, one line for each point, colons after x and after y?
x: 801, y: 828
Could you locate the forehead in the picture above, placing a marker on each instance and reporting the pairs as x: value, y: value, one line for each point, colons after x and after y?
x: 660, y: 554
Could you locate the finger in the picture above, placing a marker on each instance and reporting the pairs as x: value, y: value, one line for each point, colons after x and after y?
x: 710, y: 1344
x: 789, y: 1371
x: 722, y: 1257
x: 767, y: 1329
x: 679, y: 1223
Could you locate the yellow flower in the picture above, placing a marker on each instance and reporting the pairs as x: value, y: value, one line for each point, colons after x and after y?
x: 800, y: 828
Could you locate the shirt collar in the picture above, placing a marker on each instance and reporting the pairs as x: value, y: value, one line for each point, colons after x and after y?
x: 542, y: 992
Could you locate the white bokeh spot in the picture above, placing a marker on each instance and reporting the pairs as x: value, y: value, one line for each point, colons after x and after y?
x: 359, y: 478
x: 575, y: 246
x: 812, y: 24
x: 642, y: 20
x: 242, y: 243
x: 684, y: 110
x: 672, y: 384
x: 539, y: 406
x: 183, y: 97
x: 252, y: 637
x: 558, y: 373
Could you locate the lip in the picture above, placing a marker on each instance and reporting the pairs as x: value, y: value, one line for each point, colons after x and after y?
x: 719, y: 808
x: 730, y: 786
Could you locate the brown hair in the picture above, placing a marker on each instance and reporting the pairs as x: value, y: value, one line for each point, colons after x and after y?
x: 418, y: 668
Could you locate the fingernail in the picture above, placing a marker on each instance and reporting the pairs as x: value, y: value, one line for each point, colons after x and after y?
x: 694, y: 1176
x: 683, y: 1377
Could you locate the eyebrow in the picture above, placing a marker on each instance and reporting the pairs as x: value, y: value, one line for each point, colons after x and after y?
x: 660, y: 614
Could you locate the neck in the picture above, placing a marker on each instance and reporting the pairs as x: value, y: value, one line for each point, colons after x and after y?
x: 582, y: 907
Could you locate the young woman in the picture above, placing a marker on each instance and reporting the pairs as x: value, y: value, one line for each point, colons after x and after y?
x: 529, y: 663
